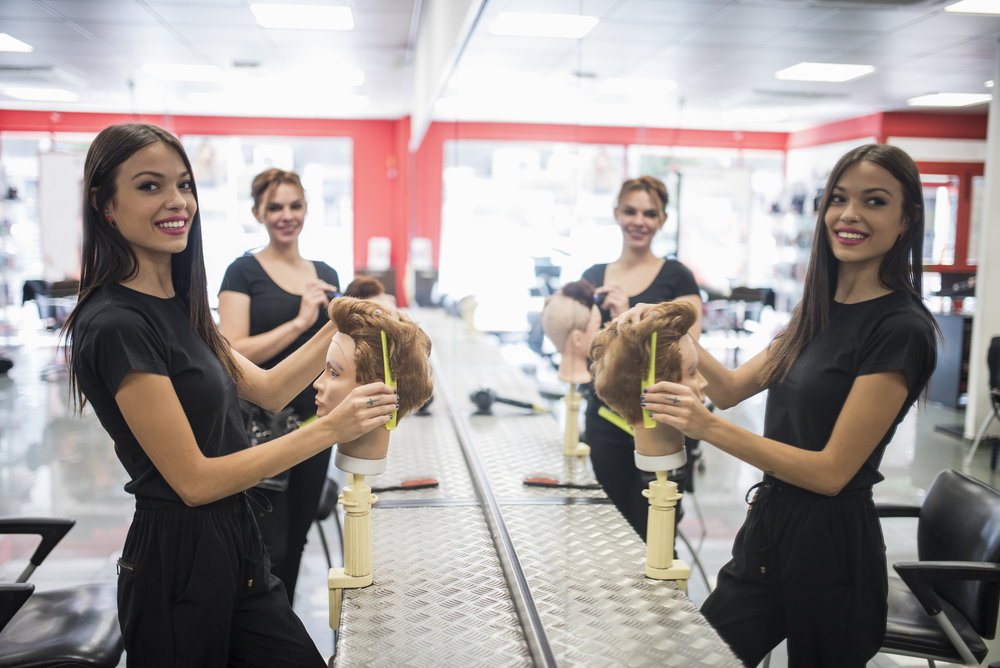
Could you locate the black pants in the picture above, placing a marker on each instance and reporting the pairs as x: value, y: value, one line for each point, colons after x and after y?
x: 809, y: 568
x: 194, y: 589
x: 293, y: 511
x: 612, y: 454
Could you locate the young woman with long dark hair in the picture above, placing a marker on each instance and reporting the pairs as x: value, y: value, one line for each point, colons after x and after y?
x: 194, y: 586
x: 809, y: 562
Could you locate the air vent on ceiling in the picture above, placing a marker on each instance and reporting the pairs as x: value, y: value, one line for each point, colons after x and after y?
x: 792, y: 96
x: 866, y: 4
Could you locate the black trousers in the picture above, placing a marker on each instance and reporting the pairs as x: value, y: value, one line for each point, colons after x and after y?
x: 809, y: 568
x: 292, y: 513
x: 612, y: 456
x: 194, y: 589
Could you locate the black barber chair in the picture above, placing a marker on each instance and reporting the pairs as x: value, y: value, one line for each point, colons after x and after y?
x: 947, y: 602
x: 75, y: 626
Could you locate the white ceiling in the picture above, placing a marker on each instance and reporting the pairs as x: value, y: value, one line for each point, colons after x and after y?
x: 722, y: 53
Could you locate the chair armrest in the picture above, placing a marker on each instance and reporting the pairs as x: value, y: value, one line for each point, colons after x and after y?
x: 896, y: 510
x: 12, y: 597
x: 51, y: 529
x: 920, y: 576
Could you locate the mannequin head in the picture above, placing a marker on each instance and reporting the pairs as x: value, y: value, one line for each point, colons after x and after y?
x: 570, y: 320
x: 355, y: 358
x: 621, y: 357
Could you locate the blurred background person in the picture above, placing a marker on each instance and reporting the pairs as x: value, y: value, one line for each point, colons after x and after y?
x: 270, y: 304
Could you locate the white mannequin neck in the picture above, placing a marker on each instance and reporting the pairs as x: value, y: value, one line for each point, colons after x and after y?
x: 373, y: 445
x: 573, y: 367
x: 658, y: 441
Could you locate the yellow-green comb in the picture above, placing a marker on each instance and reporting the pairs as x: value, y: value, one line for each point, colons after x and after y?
x: 647, y: 421
x: 615, y: 419
x: 388, y: 378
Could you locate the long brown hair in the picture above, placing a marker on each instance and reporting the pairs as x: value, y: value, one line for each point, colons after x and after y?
x: 108, y: 257
x: 901, y: 269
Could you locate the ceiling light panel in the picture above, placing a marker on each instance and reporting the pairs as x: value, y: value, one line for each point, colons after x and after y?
x: 8, y: 43
x: 975, y: 7
x: 303, y: 17
x: 179, y: 72
x: 41, y: 94
x: 949, y: 100
x: 530, y: 24
x: 829, y: 72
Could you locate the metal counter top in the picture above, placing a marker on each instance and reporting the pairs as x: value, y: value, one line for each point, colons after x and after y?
x: 484, y: 570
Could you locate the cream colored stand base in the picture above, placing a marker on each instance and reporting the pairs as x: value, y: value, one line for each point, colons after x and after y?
x: 572, y: 447
x: 660, y: 562
x: 357, y: 500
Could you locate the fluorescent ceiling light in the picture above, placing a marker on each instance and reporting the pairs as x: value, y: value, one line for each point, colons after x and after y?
x: 949, y: 100
x: 344, y: 76
x: 988, y: 84
x: 303, y: 17
x: 175, y: 72
x: 617, y: 86
x: 8, y: 43
x: 42, y: 94
x: 755, y: 115
x: 975, y: 7
x: 834, y: 72
x: 530, y: 24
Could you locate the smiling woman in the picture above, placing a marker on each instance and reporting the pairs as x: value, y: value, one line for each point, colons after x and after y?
x: 194, y: 584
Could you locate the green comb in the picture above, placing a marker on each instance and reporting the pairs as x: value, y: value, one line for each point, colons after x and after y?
x: 388, y: 378
x: 647, y: 421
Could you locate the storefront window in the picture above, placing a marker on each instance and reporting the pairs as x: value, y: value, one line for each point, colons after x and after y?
x: 518, y: 217
x: 975, y: 219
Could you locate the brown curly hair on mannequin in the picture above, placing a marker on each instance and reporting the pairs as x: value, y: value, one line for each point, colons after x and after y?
x: 620, y: 356
x: 409, y: 349
x: 364, y: 287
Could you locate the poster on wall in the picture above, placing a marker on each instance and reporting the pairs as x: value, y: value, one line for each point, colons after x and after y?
x: 60, y: 213
x: 714, y: 223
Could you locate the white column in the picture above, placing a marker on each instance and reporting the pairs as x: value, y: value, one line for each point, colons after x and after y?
x: 986, y: 323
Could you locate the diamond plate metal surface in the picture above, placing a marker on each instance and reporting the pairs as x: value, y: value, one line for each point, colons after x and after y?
x: 425, y: 447
x: 585, y: 568
x: 439, y: 598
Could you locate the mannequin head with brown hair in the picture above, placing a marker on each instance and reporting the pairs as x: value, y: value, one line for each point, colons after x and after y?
x: 355, y: 358
x: 620, y: 367
x: 571, y: 319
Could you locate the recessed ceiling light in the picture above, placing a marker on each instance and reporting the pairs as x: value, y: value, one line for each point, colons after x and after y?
x: 8, y: 43
x: 975, y: 7
x: 988, y: 84
x: 834, y: 72
x: 530, y: 24
x: 176, y: 72
x: 42, y: 94
x: 623, y: 86
x: 949, y: 100
x: 303, y: 17
x: 344, y: 76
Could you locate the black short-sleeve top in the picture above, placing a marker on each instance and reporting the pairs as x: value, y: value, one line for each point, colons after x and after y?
x: 271, y: 306
x: 119, y: 330
x: 890, y: 333
x: 673, y: 280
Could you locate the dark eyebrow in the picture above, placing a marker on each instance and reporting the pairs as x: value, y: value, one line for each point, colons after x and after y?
x: 158, y: 175
x: 693, y: 365
x: 333, y: 363
x: 869, y: 190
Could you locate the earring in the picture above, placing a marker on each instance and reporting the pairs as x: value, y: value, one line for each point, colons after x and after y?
x: 110, y: 219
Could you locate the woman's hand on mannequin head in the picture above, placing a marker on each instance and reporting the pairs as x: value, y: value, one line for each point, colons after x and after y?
x: 615, y: 300
x: 678, y: 406
x: 365, y: 408
x: 313, y: 297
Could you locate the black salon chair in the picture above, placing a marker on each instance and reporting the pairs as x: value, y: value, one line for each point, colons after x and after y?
x: 946, y: 603
x: 75, y: 626
x: 327, y: 506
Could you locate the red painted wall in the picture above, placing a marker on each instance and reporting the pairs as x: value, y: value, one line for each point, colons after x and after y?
x: 893, y: 124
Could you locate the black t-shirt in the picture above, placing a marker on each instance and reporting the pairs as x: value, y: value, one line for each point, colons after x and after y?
x: 271, y: 307
x: 890, y: 333
x: 119, y: 329
x: 673, y: 280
